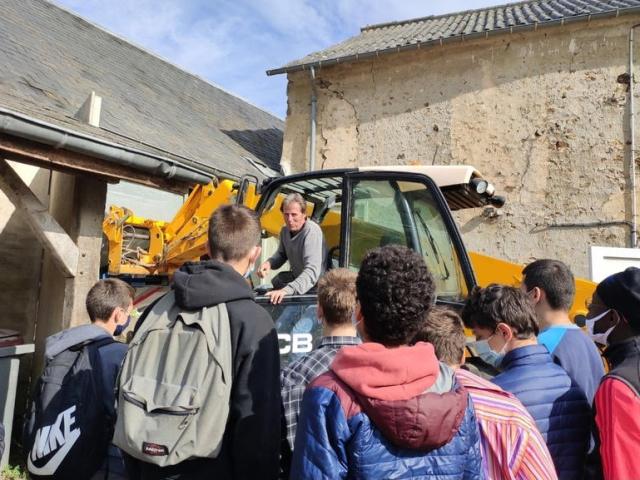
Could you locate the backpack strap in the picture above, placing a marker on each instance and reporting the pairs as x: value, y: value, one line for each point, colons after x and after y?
x: 98, y: 343
x: 623, y: 380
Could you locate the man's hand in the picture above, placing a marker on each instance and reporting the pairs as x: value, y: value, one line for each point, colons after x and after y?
x: 264, y: 269
x: 276, y: 296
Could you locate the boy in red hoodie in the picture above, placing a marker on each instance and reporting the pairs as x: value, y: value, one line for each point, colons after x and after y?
x: 386, y: 409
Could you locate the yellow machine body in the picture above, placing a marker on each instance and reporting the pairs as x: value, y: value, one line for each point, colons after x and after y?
x: 140, y: 247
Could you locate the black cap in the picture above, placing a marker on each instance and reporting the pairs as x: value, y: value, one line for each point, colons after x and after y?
x: 621, y: 292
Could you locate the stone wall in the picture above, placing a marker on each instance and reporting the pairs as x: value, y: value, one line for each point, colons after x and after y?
x: 542, y: 114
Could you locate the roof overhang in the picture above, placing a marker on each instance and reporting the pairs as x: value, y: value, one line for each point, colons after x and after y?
x: 297, y: 67
x: 29, y: 140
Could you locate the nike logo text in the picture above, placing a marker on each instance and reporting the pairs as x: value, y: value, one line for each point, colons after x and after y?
x: 50, y: 438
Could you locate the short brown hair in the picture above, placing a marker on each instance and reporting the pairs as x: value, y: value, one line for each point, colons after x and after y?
x: 233, y: 231
x: 107, y: 295
x: 487, y: 307
x: 555, y: 279
x: 294, y: 198
x: 443, y: 329
x: 337, y: 295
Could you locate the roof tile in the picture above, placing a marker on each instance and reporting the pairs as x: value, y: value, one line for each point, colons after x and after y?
x: 405, y: 34
x: 52, y: 60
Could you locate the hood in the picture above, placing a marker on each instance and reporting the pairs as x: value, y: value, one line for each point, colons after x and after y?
x: 405, y: 391
x: 204, y: 284
x: 68, y: 338
x: 618, y: 352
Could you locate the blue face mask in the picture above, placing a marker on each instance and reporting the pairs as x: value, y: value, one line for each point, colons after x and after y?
x: 122, y: 327
x: 484, y: 351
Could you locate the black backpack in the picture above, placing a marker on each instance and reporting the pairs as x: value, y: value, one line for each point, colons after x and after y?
x: 69, y: 430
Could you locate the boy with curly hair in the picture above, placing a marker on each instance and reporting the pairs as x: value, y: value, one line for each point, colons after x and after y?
x: 386, y: 409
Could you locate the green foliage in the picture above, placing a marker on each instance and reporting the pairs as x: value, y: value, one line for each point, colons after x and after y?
x: 13, y: 473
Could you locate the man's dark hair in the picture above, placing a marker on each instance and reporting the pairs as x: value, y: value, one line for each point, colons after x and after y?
x: 555, y: 279
x: 337, y: 295
x: 396, y: 291
x: 443, y: 329
x: 107, y: 295
x: 233, y: 232
x: 487, y: 307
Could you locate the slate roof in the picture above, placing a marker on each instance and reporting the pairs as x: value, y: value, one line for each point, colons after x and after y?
x: 52, y: 59
x: 412, y: 34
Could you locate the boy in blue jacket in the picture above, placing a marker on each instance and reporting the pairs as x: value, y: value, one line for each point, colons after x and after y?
x: 504, y: 317
x: 550, y: 287
x: 386, y: 409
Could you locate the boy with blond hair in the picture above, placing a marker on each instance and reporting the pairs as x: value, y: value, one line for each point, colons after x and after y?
x: 336, y: 301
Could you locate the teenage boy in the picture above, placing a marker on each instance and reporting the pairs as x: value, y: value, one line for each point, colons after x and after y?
x: 109, y: 304
x: 511, y: 445
x: 336, y: 301
x: 504, y: 317
x: 614, y: 321
x: 251, y: 442
x: 550, y: 287
x: 387, y: 409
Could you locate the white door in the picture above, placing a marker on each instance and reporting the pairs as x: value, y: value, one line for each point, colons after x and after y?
x: 605, y: 261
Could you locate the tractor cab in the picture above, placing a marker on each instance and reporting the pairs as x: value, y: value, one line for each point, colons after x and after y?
x: 365, y: 208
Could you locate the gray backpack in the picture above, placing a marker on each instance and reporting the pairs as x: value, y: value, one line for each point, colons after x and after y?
x: 174, y: 385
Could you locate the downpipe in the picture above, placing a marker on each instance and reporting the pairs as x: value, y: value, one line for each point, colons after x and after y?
x: 314, y: 109
x: 632, y: 130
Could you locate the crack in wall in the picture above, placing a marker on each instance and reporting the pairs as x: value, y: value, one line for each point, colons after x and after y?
x: 324, y: 148
x: 341, y: 96
x: 527, y: 158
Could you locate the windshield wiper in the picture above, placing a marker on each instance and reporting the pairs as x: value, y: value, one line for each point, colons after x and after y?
x: 432, y: 242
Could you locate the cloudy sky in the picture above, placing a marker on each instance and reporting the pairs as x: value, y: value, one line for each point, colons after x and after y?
x: 231, y: 43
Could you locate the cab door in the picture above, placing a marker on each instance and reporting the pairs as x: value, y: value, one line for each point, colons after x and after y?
x: 382, y: 208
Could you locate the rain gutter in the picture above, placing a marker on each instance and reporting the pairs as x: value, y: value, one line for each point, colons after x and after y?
x: 24, y: 126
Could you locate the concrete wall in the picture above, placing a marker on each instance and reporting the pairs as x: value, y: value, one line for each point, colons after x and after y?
x: 542, y: 114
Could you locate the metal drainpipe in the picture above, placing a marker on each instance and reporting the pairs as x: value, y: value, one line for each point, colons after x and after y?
x: 632, y: 126
x: 314, y: 106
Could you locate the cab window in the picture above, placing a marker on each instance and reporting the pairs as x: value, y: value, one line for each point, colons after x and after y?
x: 405, y: 213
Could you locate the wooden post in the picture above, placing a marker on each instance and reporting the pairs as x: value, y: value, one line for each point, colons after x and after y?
x: 77, y: 203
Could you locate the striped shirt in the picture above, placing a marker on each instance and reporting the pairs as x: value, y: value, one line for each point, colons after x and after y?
x: 511, y: 445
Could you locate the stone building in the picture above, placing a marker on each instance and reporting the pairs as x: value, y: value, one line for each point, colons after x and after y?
x: 534, y: 94
x: 62, y: 150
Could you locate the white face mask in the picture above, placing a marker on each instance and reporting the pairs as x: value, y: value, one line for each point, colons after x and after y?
x: 600, y: 338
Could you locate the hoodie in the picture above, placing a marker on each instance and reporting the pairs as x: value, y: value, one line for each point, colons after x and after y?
x: 111, y: 355
x: 387, y: 413
x: 250, y: 447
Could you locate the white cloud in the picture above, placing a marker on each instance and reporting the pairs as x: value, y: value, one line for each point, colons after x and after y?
x: 233, y: 42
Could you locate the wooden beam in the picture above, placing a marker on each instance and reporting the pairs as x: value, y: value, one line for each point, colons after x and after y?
x: 33, y: 153
x: 48, y: 231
